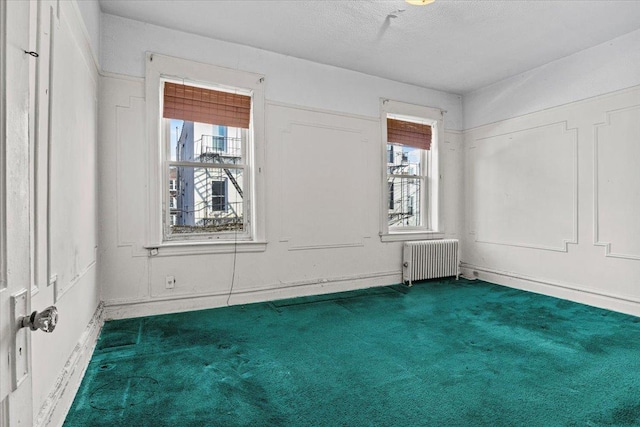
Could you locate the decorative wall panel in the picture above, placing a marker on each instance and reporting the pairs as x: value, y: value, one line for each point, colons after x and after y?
x: 130, y: 173
x: 525, y: 187
x: 617, y: 183
x: 322, y: 181
x: 72, y: 175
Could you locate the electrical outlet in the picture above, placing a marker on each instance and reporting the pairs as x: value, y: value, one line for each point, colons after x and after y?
x: 170, y: 282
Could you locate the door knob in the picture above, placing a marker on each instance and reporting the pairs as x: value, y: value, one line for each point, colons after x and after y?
x: 46, y: 320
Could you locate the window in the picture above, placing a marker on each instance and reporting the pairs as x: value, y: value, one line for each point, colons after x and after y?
x: 207, y: 148
x: 411, y: 201
x: 205, y: 128
x: 410, y: 143
x: 219, y: 196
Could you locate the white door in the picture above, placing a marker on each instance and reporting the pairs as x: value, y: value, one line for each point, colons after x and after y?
x: 15, y: 279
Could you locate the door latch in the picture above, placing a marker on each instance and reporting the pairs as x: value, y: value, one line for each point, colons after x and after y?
x: 46, y: 320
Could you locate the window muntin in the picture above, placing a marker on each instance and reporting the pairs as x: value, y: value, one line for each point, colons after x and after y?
x: 199, y: 155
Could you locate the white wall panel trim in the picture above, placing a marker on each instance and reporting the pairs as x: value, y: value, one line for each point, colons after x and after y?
x: 375, y: 119
x: 609, y: 252
x: 72, y: 146
x: 572, y: 163
x: 112, y: 75
x: 555, y: 110
x: 295, y: 141
x: 128, y: 155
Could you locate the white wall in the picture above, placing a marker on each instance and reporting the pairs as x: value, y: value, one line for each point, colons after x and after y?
x: 91, y: 20
x: 322, y: 131
x: 599, y: 70
x: 289, y: 80
x: 552, y: 194
x: 69, y: 174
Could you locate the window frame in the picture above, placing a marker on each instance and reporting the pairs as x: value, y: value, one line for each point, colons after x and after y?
x: 431, y: 194
x: 160, y: 68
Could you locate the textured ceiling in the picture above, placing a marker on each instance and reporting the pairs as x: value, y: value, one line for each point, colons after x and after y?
x: 455, y: 46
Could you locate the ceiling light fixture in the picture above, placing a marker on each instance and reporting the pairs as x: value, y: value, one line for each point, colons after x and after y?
x: 419, y: 2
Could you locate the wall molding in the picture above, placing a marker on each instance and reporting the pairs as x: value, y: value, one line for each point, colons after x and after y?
x: 112, y: 75
x: 564, y: 246
x: 57, y: 404
x: 284, y: 134
x: 270, y: 103
x: 555, y: 108
x: 596, y: 206
x: 138, y: 104
x: 123, y: 309
x: 557, y: 289
x: 66, y: 24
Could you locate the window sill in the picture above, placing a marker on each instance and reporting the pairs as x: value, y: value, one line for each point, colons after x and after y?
x: 411, y: 235
x: 203, y: 248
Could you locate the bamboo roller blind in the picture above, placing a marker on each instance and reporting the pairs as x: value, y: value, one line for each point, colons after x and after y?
x: 197, y: 104
x: 407, y: 133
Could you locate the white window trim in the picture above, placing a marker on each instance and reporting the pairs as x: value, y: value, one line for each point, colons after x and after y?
x: 434, y: 182
x: 160, y: 67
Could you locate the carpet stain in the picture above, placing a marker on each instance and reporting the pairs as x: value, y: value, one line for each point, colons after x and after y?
x: 137, y: 390
x: 442, y: 353
x: 627, y: 415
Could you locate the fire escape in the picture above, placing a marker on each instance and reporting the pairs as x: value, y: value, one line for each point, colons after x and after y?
x: 224, y: 151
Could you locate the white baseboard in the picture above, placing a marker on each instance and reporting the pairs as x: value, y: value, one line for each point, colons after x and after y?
x: 565, y: 291
x: 55, y: 408
x: 166, y: 305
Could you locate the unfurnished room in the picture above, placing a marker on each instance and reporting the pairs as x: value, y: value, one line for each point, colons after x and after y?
x: 319, y: 213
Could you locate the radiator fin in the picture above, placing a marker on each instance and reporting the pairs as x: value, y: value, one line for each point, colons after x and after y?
x: 430, y: 259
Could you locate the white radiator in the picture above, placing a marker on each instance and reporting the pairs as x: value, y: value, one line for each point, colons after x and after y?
x: 429, y: 259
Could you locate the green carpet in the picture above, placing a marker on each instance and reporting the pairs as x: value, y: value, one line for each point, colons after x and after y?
x: 443, y: 353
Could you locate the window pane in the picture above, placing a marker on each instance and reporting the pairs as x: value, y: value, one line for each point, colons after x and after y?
x: 404, y: 202
x: 202, y: 142
x: 403, y: 160
x: 175, y: 129
x: 207, y: 200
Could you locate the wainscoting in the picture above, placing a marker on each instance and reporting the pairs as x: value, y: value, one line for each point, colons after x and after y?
x: 553, y: 201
